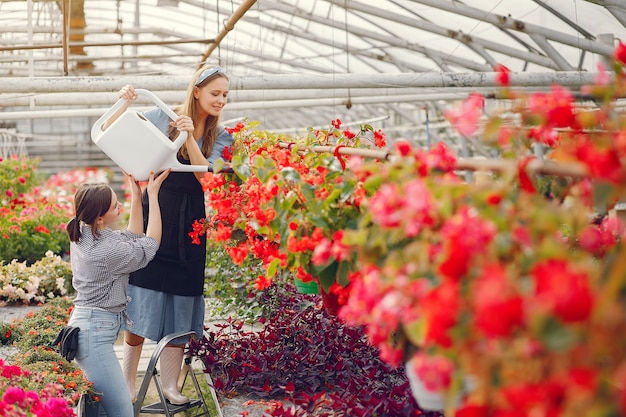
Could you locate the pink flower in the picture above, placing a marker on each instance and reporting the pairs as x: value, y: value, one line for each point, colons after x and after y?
x: 591, y: 240
x: 602, y: 77
x: 465, y: 118
x: 410, y: 206
x: 322, y: 253
x: 14, y: 395
x: 387, y: 206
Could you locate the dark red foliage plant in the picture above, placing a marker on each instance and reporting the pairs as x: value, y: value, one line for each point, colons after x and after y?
x: 310, y: 359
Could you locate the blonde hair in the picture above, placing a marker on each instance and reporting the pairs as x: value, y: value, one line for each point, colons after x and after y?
x: 189, y: 108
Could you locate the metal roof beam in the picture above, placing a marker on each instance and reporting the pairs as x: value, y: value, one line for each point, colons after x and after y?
x: 398, y: 42
x: 506, y: 22
x: 616, y: 7
x: 483, y: 44
x: 297, y: 81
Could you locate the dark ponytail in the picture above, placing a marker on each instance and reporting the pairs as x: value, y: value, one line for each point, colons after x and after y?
x: 90, y: 202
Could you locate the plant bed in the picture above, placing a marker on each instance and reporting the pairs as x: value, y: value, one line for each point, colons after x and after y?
x: 303, y: 361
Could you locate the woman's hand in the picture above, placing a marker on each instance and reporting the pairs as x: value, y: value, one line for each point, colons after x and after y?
x: 155, y: 181
x: 128, y: 93
x: 135, y: 189
x: 184, y: 123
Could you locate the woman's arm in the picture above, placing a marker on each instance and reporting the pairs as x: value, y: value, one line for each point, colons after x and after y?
x: 128, y: 93
x: 154, y: 229
x: 195, y: 155
x: 184, y: 123
x: 135, y: 220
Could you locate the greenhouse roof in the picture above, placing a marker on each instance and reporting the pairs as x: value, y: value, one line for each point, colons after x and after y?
x: 297, y: 63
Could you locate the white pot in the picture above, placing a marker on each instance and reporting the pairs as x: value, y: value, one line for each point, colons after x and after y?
x: 428, y: 400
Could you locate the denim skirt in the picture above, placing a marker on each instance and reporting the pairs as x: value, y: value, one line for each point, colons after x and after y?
x: 155, y: 314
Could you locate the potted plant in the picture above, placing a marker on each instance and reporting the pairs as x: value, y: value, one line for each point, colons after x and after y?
x: 288, y: 205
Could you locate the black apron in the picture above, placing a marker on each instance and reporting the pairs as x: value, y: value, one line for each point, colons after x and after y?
x: 178, y: 267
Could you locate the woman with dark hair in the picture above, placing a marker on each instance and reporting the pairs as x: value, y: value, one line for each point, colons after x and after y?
x: 102, y: 260
x: 167, y: 296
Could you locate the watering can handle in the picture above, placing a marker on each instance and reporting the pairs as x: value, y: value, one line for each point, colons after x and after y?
x: 96, y: 130
x: 183, y: 134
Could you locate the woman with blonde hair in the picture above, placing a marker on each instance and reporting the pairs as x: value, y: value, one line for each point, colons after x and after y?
x: 167, y: 296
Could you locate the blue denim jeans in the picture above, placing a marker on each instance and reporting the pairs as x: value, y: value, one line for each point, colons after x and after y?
x: 99, y: 330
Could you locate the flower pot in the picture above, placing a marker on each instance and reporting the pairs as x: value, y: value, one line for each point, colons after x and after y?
x: 310, y: 287
x: 428, y: 400
x: 331, y: 303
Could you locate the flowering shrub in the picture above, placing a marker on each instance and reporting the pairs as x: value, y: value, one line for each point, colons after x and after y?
x: 523, y: 291
x: 33, y: 215
x: 510, y: 281
x: 32, y: 336
x: 230, y: 288
x: 45, y: 279
x: 16, y: 400
x: 285, y: 202
x: 40, y: 328
x: 17, y: 176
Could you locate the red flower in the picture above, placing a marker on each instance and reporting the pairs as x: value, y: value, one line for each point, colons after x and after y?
x: 503, y: 75
x: 604, y: 163
x: 619, y: 54
x: 441, y: 307
x: 557, y: 107
x: 239, y: 253
x: 498, y: 309
x: 262, y: 282
x: 348, y: 134
x: 524, y: 178
x: 403, y: 147
x: 42, y: 229
x: 380, y: 139
x: 227, y: 153
x: 336, y: 123
x: 563, y: 290
x: 290, y: 387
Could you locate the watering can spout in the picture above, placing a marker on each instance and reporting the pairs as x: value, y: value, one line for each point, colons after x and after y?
x: 136, y: 145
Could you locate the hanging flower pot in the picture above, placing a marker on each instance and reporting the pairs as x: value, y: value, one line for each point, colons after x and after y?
x: 426, y: 399
x: 429, y: 399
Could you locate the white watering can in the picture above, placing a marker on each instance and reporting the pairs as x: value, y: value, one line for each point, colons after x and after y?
x: 136, y: 145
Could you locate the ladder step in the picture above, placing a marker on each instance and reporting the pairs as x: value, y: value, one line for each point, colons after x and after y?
x: 157, y: 408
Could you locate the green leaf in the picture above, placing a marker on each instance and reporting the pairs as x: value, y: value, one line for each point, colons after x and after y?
x: 273, y: 267
x: 218, y: 165
x: 328, y: 275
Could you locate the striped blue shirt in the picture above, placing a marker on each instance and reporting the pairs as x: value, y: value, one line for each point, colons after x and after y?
x: 101, y: 266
